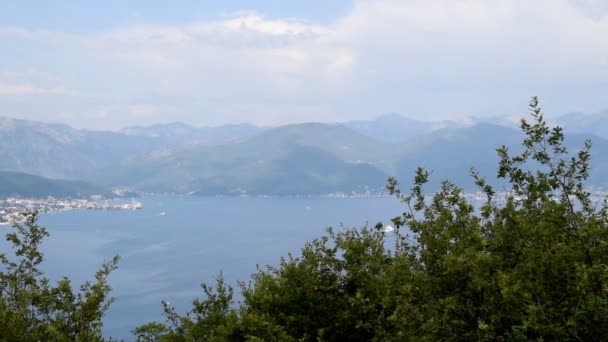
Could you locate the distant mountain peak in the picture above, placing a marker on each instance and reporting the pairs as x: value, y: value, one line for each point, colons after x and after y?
x: 588, y: 123
x: 391, y: 127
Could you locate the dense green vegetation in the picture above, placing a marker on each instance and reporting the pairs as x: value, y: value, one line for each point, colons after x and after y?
x: 21, y: 184
x: 31, y: 309
x: 531, y: 264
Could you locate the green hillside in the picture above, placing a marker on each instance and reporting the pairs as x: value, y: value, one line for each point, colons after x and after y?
x: 25, y: 185
x: 450, y: 153
x: 297, y: 159
x: 321, y: 159
x: 59, y: 151
x: 339, y: 140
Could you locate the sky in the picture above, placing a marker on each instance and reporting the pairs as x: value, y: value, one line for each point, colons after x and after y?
x: 116, y: 63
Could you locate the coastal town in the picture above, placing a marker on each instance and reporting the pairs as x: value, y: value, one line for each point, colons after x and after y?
x: 12, y: 208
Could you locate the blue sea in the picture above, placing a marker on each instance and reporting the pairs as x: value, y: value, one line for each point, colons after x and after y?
x: 174, y: 244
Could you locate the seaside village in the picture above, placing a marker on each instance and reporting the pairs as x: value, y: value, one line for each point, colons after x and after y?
x: 12, y: 209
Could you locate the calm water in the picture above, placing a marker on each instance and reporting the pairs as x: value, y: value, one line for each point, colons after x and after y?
x: 175, y: 243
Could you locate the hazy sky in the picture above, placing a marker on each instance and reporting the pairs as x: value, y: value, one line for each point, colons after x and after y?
x: 113, y: 63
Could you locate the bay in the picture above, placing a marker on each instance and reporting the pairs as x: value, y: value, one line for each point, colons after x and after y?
x: 174, y: 244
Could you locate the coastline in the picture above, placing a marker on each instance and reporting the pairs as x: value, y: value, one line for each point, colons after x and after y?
x: 12, y: 208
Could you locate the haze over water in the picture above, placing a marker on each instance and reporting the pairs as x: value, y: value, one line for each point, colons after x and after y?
x: 175, y: 243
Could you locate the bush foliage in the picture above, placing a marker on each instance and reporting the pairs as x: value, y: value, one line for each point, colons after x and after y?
x: 31, y: 309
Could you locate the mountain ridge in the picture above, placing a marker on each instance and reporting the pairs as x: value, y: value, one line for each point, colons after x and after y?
x: 261, y: 160
x: 26, y: 185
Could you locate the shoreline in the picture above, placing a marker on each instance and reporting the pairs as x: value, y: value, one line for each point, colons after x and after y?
x: 12, y: 208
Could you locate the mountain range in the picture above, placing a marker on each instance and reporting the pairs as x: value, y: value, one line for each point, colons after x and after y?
x: 300, y: 159
x: 177, y: 132
x: 59, y: 151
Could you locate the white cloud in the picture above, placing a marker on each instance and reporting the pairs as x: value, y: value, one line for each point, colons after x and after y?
x: 425, y: 57
x: 482, y: 39
x: 137, y: 111
x: 31, y: 82
x: 29, y: 89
